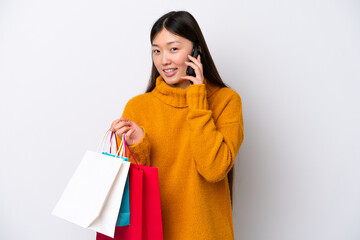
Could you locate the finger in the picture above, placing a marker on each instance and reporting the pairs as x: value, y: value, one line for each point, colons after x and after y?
x: 128, y: 135
x: 193, y: 65
x: 121, y: 124
x: 122, y: 131
x: 113, y: 124
x: 198, y: 71
x: 196, y: 60
x: 124, y: 119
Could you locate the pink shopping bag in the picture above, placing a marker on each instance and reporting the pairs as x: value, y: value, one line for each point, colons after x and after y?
x: 145, y: 207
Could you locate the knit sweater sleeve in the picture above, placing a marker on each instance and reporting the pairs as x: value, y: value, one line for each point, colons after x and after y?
x: 214, y: 145
x: 140, y: 150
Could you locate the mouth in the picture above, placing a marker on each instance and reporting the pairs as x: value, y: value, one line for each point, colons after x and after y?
x: 170, y: 71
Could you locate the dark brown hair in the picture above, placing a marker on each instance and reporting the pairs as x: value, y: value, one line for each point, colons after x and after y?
x: 183, y: 24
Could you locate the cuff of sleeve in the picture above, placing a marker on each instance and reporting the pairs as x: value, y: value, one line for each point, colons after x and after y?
x: 196, y: 97
x: 141, y: 150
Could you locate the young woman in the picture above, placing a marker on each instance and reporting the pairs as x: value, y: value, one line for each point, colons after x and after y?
x: 190, y: 128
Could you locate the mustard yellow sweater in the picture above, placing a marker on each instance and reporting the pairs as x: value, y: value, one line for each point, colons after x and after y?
x: 192, y: 136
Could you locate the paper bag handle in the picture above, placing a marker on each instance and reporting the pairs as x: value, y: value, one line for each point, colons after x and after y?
x: 126, y: 146
x: 122, y: 148
x: 102, y: 144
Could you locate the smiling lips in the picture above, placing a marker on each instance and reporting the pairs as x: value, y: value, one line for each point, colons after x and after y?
x: 170, y: 72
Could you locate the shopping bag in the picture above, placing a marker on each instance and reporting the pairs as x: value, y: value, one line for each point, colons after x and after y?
x: 92, y: 197
x: 124, y: 213
x: 123, y: 218
x: 145, y: 207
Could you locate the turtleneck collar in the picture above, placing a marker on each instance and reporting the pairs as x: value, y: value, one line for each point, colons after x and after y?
x: 174, y: 96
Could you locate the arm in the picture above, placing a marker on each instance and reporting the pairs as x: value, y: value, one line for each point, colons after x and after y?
x: 140, y: 149
x: 214, y: 146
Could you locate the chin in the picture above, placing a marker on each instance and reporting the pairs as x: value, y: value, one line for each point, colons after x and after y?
x: 171, y: 80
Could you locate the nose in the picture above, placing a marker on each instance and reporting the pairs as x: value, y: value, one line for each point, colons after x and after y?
x: 165, y: 60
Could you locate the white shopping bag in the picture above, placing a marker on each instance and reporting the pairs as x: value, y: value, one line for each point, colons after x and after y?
x: 93, y: 196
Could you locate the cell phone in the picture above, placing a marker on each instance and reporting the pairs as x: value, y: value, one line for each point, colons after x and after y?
x: 195, y: 53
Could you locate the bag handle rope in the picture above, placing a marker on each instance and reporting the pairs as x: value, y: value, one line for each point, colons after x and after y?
x: 122, y: 148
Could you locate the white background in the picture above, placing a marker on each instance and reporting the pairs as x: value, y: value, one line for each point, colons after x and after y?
x: 67, y: 68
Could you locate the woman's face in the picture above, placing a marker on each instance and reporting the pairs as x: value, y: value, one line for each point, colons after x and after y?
x: 169, y: 53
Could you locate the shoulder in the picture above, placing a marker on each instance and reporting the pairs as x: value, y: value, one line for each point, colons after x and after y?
x: 225, y: 95
x: 225, y: 91
x: 136, y: 105
x: 139, y: 100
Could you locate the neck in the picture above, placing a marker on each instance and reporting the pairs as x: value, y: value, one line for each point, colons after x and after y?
x: 183, y: 84
x: 175, y: 95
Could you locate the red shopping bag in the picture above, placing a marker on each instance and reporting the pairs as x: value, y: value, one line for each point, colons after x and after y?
x: 145, y: 207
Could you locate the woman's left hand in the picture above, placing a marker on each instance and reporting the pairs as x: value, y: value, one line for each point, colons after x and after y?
x: 198, y: 68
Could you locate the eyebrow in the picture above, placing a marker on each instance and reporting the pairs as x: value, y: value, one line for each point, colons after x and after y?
x: 168, y: 43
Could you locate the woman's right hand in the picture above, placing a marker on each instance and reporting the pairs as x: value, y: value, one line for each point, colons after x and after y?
x: 133, y: 132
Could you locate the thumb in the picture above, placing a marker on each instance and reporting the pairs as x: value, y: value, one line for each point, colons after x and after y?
x: 128, y: 134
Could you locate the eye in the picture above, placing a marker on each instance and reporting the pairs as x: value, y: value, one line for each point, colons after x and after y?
x: 174, y: 49
x: 155, y: 51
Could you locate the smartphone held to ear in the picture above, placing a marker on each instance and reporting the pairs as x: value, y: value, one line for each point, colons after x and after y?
x: 195, y: 53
